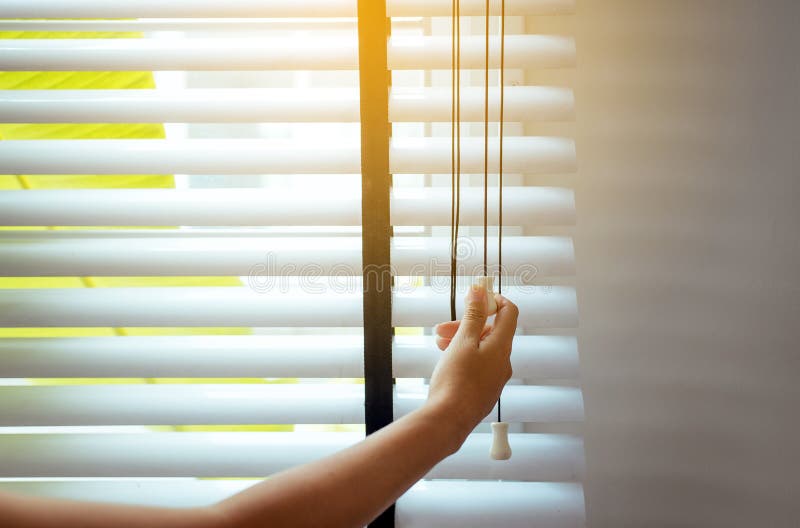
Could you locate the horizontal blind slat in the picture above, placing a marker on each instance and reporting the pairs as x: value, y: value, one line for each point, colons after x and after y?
x: 302, y: 356
x: 526, y: 206
x: 176, y: 8
x: 521, y: 103
x: 171, y: 404
x: 263, y: 8
x: 262, y: 303
x: 269, y: 356
x: 533, y: 357
x: 187, y: 404
x: 538, y: 457
x: 112, y: 253
x: 252, y: 207
x: 434, y: 504
x: 257, y: 156
x: 229, y: 25
x: 524, y: 258
x: 480, y: 504
x: 539, y: 306
x: 521, y: 403
x: 290, y: 53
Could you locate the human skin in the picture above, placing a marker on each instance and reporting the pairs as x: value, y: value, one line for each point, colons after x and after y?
x: 331, y: 491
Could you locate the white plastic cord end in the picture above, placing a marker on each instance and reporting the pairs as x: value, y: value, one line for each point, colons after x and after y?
x: 500, y: 448
x: 488, y: 283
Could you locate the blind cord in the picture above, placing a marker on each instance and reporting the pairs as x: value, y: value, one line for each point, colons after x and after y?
x: 486, y: 159
x: 486, y: 148
x: 500, y: 156
x: 455, y: 151
x: 452, y: 157
x: 500, y: 163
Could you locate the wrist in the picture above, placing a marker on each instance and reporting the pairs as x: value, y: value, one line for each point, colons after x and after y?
x: 446, y: 423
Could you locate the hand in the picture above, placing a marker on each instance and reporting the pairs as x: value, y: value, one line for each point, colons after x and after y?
x: 476, y: 363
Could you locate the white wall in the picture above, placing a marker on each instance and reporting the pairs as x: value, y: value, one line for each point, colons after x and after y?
x: 688, y: 261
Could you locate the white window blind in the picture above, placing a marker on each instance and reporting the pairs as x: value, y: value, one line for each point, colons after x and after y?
x: 160, y: 339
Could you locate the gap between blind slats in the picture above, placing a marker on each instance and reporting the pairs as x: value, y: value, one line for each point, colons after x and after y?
x: 235, y: 404
x: 434, y: 504
x: 290, y: 53
x: 251, y: 207
x: 112, y: 253
x: 263, y: 8
x: 538, y: 457
x: 264, y: 302
x: 258, y: 156
x: 300, y: 356
x: 521, y: 103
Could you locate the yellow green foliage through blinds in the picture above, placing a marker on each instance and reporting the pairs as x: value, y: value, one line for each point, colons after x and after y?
x: 96, y: 80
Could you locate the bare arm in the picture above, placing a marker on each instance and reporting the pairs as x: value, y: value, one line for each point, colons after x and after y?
x: 332, y: 491
x: 21, y: 511
x: 353, y: 486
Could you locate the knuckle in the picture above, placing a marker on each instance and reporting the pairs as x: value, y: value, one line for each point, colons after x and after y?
x: 474, y: 311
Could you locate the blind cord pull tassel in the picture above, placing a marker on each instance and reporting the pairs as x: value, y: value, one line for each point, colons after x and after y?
x: 501, y: 450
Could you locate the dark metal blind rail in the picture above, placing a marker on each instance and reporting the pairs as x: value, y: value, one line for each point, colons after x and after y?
x: 373, y: 33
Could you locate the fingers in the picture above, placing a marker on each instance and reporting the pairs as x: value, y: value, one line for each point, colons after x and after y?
x: 476, y: 308
x: 448, y: 329
x: 505, y: 324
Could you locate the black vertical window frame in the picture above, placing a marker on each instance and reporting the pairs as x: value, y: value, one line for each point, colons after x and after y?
x: 374, y: 81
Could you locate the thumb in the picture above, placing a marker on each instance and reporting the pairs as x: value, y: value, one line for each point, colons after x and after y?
x: 476, y: 309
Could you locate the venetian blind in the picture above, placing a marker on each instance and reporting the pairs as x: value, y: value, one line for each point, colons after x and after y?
x: 204, y: 318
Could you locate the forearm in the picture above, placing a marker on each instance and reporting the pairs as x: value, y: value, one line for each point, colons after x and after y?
x: 347, y: 489
x: 351, y: 487
x: 39, y: 512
